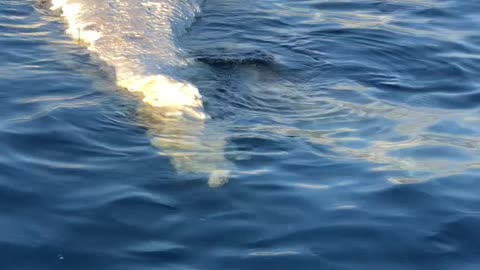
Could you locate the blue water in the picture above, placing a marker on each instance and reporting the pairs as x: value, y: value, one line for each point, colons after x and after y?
x: 352, y: 130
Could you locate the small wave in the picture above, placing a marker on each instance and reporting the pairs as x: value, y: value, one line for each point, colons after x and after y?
x: 224, y: 57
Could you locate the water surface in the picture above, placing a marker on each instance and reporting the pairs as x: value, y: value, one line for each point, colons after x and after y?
x: 349, y: 130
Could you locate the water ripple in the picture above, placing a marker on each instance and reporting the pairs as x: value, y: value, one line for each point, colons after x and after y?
x: 351, y: 129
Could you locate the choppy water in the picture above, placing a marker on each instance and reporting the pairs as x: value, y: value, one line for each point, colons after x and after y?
x: 348, y: 131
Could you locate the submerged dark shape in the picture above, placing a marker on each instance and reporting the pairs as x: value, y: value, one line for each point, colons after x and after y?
x: 222, y: 56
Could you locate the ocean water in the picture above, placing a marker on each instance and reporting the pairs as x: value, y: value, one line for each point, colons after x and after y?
x: 228, y: 134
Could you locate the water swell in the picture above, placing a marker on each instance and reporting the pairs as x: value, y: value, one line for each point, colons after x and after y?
x: 138, y: 39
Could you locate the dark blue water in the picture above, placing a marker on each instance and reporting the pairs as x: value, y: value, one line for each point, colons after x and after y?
x: 352, y: 129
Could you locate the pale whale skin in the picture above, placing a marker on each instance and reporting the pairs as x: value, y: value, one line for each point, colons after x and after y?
x: 138, y: 40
